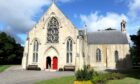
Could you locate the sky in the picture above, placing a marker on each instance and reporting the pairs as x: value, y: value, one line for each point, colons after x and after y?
x: 17, y: 17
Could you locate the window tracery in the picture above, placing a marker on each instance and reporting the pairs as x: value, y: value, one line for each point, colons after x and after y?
x: 53, y: 31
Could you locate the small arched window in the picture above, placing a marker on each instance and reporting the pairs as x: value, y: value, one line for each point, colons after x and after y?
x: 53, y: 33
x: 35, y: 51
x: 69, y: 51
x: 98, y: 55
x: 116, y: 56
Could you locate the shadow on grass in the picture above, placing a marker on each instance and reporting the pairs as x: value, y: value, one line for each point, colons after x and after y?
x: 124, y: 66
x: 133, y: 73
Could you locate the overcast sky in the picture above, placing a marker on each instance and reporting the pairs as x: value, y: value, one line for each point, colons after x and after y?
x: 17, y: 17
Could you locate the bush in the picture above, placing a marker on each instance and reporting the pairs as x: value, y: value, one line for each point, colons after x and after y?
x: 84, y: 74
x: 99, y: 78
x: 60, y: 69
x: 102, y: 78
x: 116, y: 76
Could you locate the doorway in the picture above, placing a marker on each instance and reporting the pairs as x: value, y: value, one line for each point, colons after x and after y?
x: 55, y: 63
x: 48, y: 63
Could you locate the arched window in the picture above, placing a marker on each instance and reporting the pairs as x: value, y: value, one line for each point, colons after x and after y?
x: 116, y: 56
x: 69, y: 51
x: 53, y: 32
x: 98, y: 55
x: 35, y: 51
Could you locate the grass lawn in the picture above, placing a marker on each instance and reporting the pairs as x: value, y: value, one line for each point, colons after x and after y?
x: 69, y: 80
x: 131, y: 77
x: 127, y: 80
x: 4, y: 67
x: 63, y: 80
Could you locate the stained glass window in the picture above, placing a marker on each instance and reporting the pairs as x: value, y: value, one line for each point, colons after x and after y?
x: 53, y: 33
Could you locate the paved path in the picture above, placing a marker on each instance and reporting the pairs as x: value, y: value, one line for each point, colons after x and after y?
x: 15, y: 75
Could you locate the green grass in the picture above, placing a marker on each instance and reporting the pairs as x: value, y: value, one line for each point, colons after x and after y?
x: 69, y: 80
x: 4, y: 67
x: 62, y: 80
x: 126, y: 80
x: 131, y: 77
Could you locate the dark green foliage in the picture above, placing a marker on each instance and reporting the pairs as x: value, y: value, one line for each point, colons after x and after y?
x: 99, y: 79
x: 110, y: 29
x: 10, y: 51
x: 135, y: 49
x: 102, y: 78
x: 60, y: 69
x: 84, y: 74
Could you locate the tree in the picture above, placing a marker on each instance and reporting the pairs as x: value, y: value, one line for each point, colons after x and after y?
x: 135, y: 49
x: 10, y: 51
x: 110, y: 29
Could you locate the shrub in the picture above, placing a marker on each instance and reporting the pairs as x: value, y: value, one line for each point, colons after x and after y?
x: 60, y: 69
x: 102, y: 78
x: 99, y: 78
x: 84, y: 74
x: 116, y: 76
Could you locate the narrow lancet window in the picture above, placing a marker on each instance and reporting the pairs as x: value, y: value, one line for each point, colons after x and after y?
x: 35, y: 51
x: 116, y: 56
x: 98, y: 55
x: 69, y: 51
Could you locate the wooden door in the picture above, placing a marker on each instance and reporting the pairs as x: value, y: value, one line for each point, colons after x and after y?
x: 55, y: 63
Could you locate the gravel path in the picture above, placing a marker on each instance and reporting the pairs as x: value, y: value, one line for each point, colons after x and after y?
x: 15, y: 75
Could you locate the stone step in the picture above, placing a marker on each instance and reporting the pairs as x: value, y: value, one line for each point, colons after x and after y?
x: 50, y: 70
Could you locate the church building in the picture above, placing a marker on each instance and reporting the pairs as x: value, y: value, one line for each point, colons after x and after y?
x: 54, y: 43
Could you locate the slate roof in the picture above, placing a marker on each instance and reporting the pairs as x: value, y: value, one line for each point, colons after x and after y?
x: 107, y: 37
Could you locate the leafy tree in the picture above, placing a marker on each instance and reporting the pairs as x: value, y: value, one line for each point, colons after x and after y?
x: 110, y: 29
x: 135, y: 49
x: 10, y: 51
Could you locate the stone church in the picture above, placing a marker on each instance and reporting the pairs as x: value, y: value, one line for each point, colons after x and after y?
x: 54, y: 43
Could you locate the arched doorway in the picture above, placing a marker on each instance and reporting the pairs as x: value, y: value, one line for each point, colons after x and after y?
x: 55, y: 63
x: 48, y: 63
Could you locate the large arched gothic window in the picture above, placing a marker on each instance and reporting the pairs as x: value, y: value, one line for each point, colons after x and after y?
x: 35, y: 51
x: 98, y: 55
x: 116, y: 56
x: 69, y: 51
x: 53, y: 33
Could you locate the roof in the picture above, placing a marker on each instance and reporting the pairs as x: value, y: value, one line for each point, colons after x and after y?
x: 107, y: 37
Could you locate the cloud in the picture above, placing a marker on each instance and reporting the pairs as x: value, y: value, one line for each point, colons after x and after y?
x: 134, y: 8
x: 18, y: 15
x: 96, y: 21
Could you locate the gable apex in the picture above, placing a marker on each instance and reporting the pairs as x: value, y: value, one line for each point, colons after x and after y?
x: 54, y: 11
